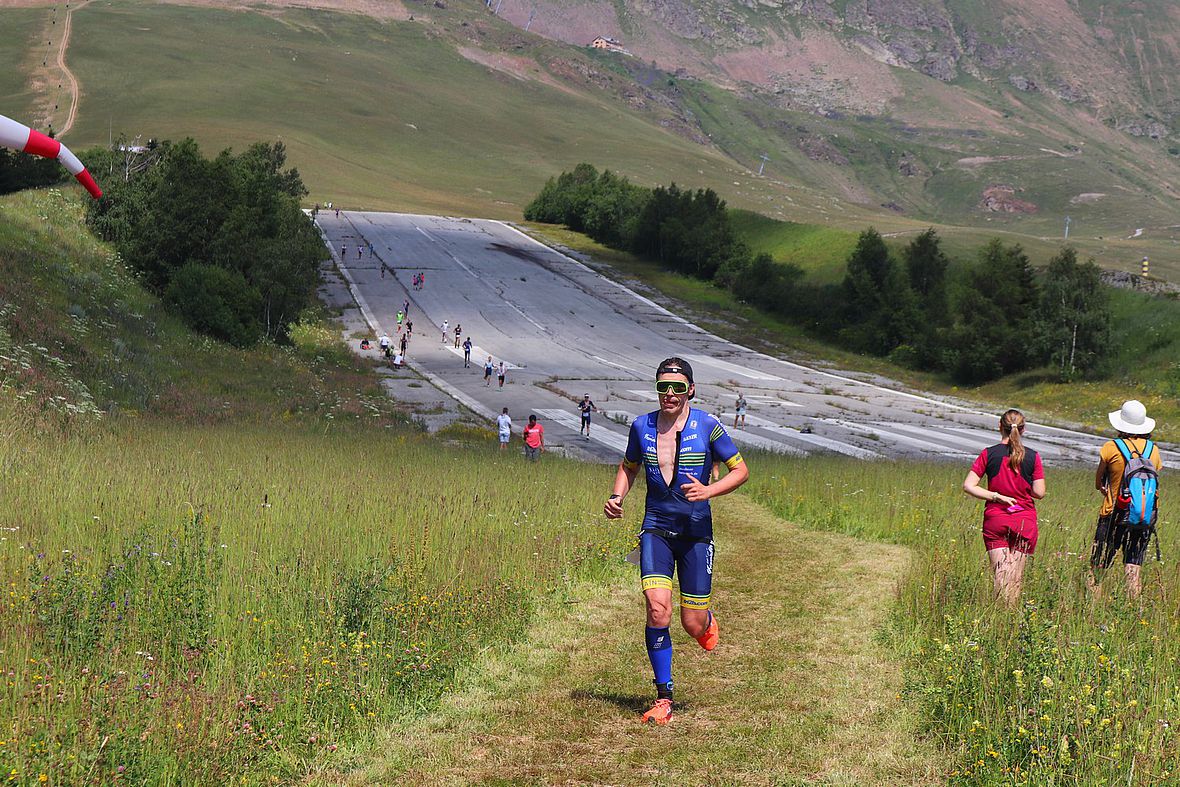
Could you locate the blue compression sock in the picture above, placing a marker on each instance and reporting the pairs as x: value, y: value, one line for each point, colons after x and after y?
x: 659, y: 651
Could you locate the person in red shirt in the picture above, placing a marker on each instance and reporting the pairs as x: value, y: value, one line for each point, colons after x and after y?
x: 1015, y: 480
x: 534, y: 439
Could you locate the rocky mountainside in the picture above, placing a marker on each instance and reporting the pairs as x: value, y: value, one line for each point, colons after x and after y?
x: 1020, y: 112
x: 1119, y: 60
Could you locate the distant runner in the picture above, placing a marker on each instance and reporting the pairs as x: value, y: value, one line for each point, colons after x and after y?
x: 458, y: 334
x: 586, y: 407
x: 534, y: 439
x: 500, y: 375
x: 677, y: 445
x: 405, y: 340
x: 445, y: 325
x: 467, y: 352
x: 504, y: 422
x: 488, y: 368
x: 400, y: 317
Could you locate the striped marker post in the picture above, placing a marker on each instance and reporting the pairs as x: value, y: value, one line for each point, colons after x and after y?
x: 20, y: 137
x: 1144, y: 266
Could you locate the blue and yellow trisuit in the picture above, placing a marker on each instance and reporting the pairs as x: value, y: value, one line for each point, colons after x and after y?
x: 677, y: 533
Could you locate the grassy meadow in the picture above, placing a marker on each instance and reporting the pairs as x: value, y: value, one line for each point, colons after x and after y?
x: 1070, y: 688
x: 196, y: 604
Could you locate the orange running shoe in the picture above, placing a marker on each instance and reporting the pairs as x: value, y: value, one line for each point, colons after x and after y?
x: 712, y: 635
x: 660, y: 713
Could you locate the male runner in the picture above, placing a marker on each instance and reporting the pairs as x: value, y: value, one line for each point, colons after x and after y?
x: 445, y: 325
x: 586, y: 407
x: 677, y: 445
x: 467, y: 352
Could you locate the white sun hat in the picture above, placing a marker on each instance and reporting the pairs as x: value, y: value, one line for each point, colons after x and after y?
x: 1132, y: 418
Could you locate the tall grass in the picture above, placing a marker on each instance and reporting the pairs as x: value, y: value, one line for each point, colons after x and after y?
x: 1071, y: 687
x: 200, y: 605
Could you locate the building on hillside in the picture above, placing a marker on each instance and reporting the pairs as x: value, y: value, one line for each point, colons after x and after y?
x: 609, y: 44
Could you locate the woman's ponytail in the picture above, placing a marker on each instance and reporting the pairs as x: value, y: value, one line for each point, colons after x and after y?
x: 1012, y: 426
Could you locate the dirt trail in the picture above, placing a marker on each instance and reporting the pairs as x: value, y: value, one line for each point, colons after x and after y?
x: 62, y: 46
x: 798, y: 691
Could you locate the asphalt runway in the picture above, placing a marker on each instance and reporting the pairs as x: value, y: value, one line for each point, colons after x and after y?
x: 564, y: 330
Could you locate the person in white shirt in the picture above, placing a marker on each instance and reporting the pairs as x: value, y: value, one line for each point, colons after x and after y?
x: 446, y: 324
x: 504, y: 422
x: 385, y: 343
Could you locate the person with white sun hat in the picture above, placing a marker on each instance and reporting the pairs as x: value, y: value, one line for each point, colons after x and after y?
x: 1127, y: 476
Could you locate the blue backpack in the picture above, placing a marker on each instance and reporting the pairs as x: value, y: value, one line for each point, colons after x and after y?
x: 1137, y: 493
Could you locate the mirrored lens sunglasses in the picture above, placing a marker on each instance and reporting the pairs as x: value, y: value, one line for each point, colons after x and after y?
x: 678, y: 387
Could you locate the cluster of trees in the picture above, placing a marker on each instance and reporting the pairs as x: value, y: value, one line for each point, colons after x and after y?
x: 688, y: 231
x: 984, y: 319
x: 974, y: 322
x: 222, y: 240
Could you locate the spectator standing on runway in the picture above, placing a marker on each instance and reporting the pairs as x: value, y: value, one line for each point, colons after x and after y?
x: 467, y: 352
x: 384, y: 343
x: 500, y: 375
x: 1015, y: 480
x: 504, y: 424
x: 677, y: 446
x: 1128, y: 514
x: 458, y: 334
x: 740, y: 412
x: 586, y: 407
x: 534, y: 439
x: 343, y: 251
x: 337, y: 212
x: 446, y: 324
x: 487, y: 372
x: 422, y: 280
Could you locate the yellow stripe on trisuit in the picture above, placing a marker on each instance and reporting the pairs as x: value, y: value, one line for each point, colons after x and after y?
x: 657, y: 581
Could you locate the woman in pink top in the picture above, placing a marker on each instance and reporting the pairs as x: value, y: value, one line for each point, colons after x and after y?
x: 1015, y: 480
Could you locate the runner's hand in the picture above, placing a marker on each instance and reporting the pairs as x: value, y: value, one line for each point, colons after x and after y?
x: 1008, y: 501
x: 613, y: 508
x: 694, y: 490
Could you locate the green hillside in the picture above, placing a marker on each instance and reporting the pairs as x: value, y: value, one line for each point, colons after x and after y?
x: 457, y: 111
x: 221, y: 561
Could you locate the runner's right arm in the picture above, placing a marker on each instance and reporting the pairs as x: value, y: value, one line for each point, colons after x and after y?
x: 625, y: 477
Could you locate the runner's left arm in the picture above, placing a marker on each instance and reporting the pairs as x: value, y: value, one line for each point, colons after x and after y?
x: 724, y: 449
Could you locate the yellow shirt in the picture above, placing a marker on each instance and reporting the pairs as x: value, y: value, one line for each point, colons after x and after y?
x: 1112, y: 462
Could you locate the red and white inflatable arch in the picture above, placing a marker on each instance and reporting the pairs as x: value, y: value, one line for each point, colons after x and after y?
x: 20, y: 137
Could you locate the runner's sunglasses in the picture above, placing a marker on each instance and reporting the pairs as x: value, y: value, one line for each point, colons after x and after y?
x: 678, y: 387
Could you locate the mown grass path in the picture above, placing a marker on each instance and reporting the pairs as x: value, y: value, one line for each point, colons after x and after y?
x: 798, y: 692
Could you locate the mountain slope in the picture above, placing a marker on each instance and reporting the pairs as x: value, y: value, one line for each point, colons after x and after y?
x: 448, y: 108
